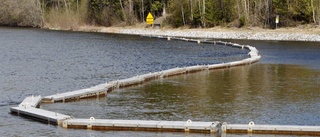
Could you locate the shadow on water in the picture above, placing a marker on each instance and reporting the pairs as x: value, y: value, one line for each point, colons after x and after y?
x: 287, y: 52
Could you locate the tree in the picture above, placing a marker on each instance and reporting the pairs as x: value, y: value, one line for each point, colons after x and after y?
x: 194, y: 13
x: 156, y: 8
x: 179, y: 12
x: 21, y: 13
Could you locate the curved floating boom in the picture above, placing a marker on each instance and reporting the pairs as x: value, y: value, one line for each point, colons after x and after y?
x: 30, y: 106
x: 109, y: 86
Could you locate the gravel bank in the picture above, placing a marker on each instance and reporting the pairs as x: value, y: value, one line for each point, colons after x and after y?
x: 258, y: 34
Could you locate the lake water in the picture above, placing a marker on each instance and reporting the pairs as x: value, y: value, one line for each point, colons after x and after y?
x: 283, y: 88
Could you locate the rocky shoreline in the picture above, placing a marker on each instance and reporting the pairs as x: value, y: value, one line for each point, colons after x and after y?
x: 257, y: 34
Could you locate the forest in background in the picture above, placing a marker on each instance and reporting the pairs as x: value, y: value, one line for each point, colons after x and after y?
x: 70, y: 14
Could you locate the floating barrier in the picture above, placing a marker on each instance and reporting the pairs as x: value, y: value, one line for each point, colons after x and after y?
x: 79, y: 94
x: 197, y: 68
x: 251, y: 128
x: 172, y: 72
x: 237, y: 63
x: 217, y: 66
x: 229, y: 44
x: 32, y: 101
x: 28, y: 106
x: 150, y: 76
x: 237, y: 46
x: 40, y: 115
x: 221, y: 42
x: 209, y: 42
x: 130, y: 81
x: 142, y: 125
x: 102, y: 89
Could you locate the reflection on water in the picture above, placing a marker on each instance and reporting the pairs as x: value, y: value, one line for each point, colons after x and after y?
x: 285, y: 52
x: 263, y: 93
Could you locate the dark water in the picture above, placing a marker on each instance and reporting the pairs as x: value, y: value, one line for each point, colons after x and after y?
x: 281, y: 89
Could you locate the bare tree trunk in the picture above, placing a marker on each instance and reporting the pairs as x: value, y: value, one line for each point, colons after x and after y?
x: 130, y: 13
x: 313, y: 12
x: 256, y: 12
x: 78, y: 6
x: 245, y: 9
x: 130, y: 7
x: 239, y: 11
x: 142, y: 10
x: 266, y: 14
x: 200, y: 12
x: 164, y: 12
x: 182, y: 14
x: 191, y: 9
x: 41, y: 13
x: 66, y: 6
x: 248, y: 8
x: 123, y: 12
x: 199, y: 6
x: 203, y: 13
x: 318, y: 12
x: 57, y: 7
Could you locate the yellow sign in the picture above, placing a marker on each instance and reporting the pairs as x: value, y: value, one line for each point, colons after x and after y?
x: 149, y: 19
x: 277, y: 19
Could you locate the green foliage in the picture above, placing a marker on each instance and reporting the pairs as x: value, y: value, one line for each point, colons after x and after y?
x: 178, y: 13
x: 95, y: 9
x: 196, y: 21
x: 156, y: 7
x: 175, y: 21
x: 216, y: 13
x: 194, y: 13
x: 292, y: 12
x: 242, y: 21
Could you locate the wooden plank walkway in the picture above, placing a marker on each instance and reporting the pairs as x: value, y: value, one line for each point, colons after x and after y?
x: 251, y: 128
x: 142, y: 125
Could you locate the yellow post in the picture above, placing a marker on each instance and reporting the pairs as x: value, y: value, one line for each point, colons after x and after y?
x: 150, y: 19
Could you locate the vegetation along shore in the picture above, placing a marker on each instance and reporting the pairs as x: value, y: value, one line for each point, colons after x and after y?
x: 290, y: 20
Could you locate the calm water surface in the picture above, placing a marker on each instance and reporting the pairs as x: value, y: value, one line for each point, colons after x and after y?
x: 283, y: 88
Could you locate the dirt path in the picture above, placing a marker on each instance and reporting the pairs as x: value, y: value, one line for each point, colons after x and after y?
x: 283, y: 34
